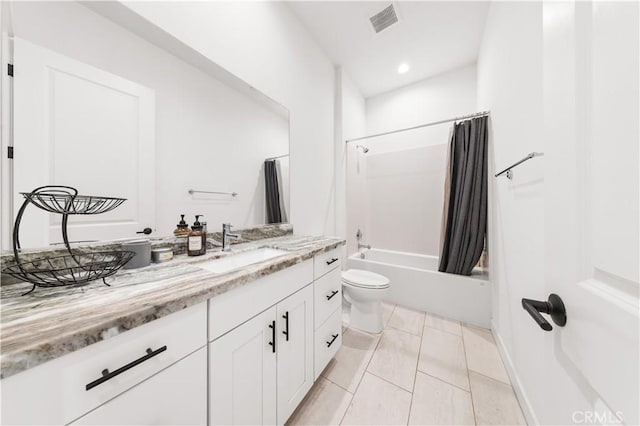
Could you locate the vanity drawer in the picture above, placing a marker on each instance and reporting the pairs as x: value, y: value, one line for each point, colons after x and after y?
x: 325, y: 262
x: 59, y: 387
x: 235, y: 307
x: 328, y: 339
x: 327, y: 295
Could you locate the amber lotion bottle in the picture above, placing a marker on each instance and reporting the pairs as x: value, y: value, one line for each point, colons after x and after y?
x: 195, y: 246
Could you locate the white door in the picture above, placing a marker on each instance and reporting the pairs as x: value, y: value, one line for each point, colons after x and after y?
x: 295, y: 350
x: 175, y: 396
x: 242, y: 373
x: 592, y: 110
x: 79, y: 126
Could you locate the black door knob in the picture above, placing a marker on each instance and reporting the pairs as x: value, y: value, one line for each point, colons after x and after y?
x: 553, y: 306
x: 145, y: 231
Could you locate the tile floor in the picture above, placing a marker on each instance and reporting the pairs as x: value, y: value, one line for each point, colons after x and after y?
x: 421, y: 370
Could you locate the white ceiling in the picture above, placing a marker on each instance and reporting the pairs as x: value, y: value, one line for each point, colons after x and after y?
x: 431, y: 36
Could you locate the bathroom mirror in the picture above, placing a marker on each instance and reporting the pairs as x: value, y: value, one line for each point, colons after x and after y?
x: 115, y: 107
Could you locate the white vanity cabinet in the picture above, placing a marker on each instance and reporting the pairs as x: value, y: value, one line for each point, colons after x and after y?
x: 261, y: 369
x: 327, y: 308
x: 246, y: 356
x: 177, y: 395
x: 65, y: 389
x: 242, y: 374
x: 294, y: 351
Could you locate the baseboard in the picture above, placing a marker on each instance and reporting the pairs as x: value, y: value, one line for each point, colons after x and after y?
x: 527, y: 410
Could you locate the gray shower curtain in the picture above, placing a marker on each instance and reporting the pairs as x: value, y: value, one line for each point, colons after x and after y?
x: 465, y: 215
x: 272, y: 191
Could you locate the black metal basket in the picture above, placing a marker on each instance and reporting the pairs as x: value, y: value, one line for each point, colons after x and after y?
x: 73, y: 268
x: 69, y: 269
x: 60, y: 200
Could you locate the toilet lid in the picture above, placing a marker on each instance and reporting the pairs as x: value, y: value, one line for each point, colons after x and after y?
x: 366, y: 279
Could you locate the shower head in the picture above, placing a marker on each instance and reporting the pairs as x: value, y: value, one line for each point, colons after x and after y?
x: 364, y: 148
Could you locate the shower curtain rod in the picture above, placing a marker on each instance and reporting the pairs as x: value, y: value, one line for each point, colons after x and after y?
x: 462, y: 117
x: 275, y: 158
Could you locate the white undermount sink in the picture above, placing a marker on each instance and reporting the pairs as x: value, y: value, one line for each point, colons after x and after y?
x: 235, y: 261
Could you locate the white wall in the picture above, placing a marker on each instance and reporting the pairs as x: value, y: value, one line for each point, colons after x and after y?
x: 353, y: 125
x: 208, y: 136
x: 403, y: 188
x: 510, y: 84
x: 265, y: 45
x: 444, y: 96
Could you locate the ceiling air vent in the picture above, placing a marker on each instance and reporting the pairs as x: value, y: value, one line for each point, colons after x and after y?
x: 384, y: 19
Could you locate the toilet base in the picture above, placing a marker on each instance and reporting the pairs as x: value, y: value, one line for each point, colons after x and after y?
x: 366, y: 317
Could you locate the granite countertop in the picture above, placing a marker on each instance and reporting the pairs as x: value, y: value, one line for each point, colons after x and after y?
x: 51, y: 322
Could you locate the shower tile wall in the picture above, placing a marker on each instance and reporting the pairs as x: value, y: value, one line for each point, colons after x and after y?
x: 404, y: 193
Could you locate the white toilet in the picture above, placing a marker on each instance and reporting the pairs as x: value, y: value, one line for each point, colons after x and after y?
x: 364, y: 291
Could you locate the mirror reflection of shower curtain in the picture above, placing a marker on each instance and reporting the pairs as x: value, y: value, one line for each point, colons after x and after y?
x: 275, y: 187
x: 282, y: 169
x: 465, y: 215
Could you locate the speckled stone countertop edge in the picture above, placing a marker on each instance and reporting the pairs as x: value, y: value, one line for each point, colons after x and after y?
x: 178, y: 293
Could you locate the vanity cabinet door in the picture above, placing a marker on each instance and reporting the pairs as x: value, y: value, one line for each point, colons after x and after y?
x: 295, y: 350
x: 176, y: 395
x: 242, y: 373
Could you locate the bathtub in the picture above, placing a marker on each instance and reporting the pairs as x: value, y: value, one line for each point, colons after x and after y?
x: 416, y: 283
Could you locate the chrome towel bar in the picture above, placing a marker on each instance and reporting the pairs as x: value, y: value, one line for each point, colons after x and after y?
x: 193, y: 191
x: 508, y: 170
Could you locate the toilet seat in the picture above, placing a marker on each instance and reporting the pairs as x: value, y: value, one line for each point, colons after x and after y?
x: 365, y: 279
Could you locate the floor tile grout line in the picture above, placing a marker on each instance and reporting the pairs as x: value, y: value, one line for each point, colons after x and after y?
x: 353, y: 395
x: 405, y: 331
x: 444, y: 331
x: 492, y: 378
x: 362, y: 376
x: 390, y: 382
x: 466, y: 362
x: 424, y: 314
x: 445, y: 382
x: 510, y: 385
x: 415, y: 374
x: 337, y: 384
x: 499, y: 357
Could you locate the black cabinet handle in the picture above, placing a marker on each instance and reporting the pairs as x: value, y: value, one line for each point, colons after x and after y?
x: 333, y: 293
x: 286, y: 325
x: 106, y: 375
x: 145, y: 231
x: 553, y: 306
x: 329, y: 262
x: 272, y: 343
x: 329, y: 343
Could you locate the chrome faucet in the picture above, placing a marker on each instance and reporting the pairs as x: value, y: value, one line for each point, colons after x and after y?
x: 226, y: 234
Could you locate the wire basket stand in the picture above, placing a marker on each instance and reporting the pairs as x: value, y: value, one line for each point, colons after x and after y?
x: 74, y: 268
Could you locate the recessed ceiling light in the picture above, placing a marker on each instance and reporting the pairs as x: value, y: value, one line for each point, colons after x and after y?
x: 403, y: 68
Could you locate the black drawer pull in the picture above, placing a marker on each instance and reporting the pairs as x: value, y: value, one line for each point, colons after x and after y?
x: 335, y: 336
x: 333, y: 293
x: 272, y: 343
x: 106, y: 375
x: 333, y: 260
x: 286, y: 325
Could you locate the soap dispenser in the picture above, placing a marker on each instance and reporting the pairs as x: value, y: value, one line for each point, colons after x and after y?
x: 182, y: 229
x: 195, y: 246
x: 204, y: 237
